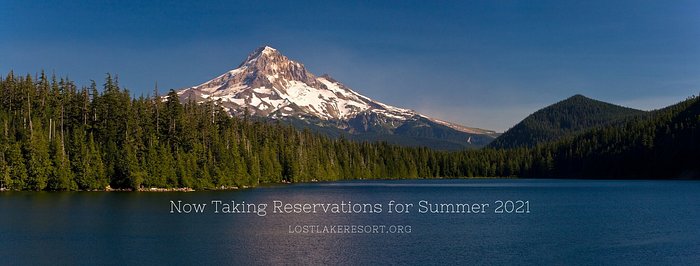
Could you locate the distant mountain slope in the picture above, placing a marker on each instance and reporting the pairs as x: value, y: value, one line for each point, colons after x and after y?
x: 418, y: 132
x: 572, y: 115
x: 268, y: 84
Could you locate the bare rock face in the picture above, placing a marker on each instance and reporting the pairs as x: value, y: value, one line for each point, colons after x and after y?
x: 269, y: 67
x: 269, y: 84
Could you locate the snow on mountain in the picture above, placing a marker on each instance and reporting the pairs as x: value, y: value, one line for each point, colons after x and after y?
x: 269, y: 84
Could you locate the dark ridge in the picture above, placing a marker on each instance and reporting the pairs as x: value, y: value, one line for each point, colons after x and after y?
x: 573, y: 115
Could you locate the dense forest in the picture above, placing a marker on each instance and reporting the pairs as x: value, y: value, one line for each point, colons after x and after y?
x: 565, y: 118
x: 56, y: 136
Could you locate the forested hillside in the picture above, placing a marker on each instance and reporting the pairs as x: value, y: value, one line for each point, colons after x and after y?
x: 570, y: 116
x: 662, y: 144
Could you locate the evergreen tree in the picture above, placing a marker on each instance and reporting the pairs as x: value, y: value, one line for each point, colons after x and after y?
x: 61, y: 176
x: 5, y: 179
x: 17, y: 168
x: 39, y: 165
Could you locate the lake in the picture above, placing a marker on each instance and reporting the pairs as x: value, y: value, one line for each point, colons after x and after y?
x: 588, y: 222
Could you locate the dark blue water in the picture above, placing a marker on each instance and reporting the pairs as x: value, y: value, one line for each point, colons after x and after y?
x: 569, y: 222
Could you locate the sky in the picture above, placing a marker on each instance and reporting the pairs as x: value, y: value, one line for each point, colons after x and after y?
x: 485, y: 64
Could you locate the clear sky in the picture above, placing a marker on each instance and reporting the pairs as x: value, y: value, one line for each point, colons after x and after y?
x: 486, y: 64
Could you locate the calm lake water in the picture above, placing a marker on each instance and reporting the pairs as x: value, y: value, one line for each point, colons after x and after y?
x: 569, y: 222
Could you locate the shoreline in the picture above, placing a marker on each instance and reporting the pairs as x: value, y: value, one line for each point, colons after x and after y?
x: 231, y: 188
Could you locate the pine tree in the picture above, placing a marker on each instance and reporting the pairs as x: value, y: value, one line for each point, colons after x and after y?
x: 254, y: 169
x: 5, y: 179
x: 17, y: 168
x: 96, y: 172
x: 39, y: 166
x: 154, y: 178
x: 61, y: 176
x: 134, y: 173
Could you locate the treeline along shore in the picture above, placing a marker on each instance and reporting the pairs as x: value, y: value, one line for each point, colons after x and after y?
x: 55, y: 135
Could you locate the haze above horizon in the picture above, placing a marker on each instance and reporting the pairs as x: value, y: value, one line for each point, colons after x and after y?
x: 481, y: 64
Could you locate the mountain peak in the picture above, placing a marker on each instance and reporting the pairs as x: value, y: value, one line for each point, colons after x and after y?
x: 267, y: 47
x: 263, y: 52
x: 268, y: 84
x: 578, y: 97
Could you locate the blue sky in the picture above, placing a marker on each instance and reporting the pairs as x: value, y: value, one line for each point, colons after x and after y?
x: 486, y: 64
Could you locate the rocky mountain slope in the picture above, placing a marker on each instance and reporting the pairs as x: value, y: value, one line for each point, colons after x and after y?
x: 268, y: 84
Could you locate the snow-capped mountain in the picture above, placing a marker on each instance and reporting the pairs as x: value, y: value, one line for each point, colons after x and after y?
x: 268, y: 84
